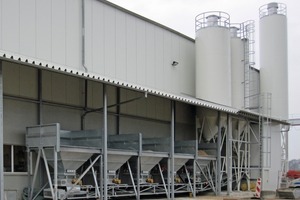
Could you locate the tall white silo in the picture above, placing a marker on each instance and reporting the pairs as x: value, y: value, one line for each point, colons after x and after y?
x: 274, y: 60
x: 213, y: 71
x: 237, y: 67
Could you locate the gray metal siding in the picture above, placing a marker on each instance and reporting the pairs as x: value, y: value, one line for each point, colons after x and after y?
x: 117, y: 44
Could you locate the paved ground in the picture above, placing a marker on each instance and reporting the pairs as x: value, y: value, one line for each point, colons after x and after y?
x: 233, y: 196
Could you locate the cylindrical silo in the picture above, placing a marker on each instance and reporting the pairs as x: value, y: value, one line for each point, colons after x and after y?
x: 237, y: 67
x: 274, y: 60
x: 213, y: 71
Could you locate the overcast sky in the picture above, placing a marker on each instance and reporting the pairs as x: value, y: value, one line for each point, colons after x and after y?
x: 180, y: 16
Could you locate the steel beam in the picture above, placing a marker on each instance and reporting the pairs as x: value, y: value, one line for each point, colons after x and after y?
x: 218, y: 170
x: 1, y: 135
x: 172, y: 148
x: 104, y: 145
x: 229, y: 154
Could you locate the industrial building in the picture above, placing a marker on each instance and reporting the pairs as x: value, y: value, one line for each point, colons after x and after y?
x: 99, y: 102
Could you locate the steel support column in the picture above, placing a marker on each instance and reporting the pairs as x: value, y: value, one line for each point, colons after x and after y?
x: 229, y: 154
x: 1, y: 135
x: 104, y: 145
x: 172, y: 148
x: 218, y: 170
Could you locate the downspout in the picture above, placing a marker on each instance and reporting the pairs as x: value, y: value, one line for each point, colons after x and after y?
x: 83, y: 35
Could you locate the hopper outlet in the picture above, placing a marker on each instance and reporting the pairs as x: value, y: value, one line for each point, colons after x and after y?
x: 68, y: 159
x: 149, y: 162
x: 115, y: 161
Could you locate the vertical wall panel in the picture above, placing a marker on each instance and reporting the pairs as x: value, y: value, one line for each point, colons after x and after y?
x: 174, y: 75
x: 27, y: 28
x: 110, y: 41
x: 88, y: 33
x: 59, y: 88
x: 11, y: 79
x: 69, y: 119
x: 121, y: 42
x: 111, y: 97
x: 95, y: 94
x: 150, y: 55
x: 58, y: 31
x: 159, y: 58
x: 28, y: 82
x: 73, y: 34
x: 188, y: 68
x: 98, y: 49
x: 131, y: 39
x: 74, y: 91
x: 47, y: 85
x: 43, y: 30
x: 10, y: 25
x: 118, y: 44
x: 1, y: 12
x: 17, y: 116
x: 151, y: 106
x: 141, y: 51
x: 167, y: 62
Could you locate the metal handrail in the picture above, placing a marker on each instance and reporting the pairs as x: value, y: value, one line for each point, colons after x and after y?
x: 201, y: 20
x: 266, y: 10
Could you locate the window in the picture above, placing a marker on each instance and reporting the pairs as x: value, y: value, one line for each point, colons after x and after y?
x: 15, y: 158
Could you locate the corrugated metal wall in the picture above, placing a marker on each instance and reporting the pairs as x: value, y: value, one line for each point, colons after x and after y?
x: 118, y: 44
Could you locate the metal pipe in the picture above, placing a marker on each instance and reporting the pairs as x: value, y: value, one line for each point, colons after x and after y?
x: 95, y: 180
x: 138, y: 175
x: 163, y: 180
x: 35, y: 174
x: 172, y: 148
x: 104, y: 145
x: 189, y: 179
x: 40, y: 191
x: 194, y: 168
x: 48, y: 174
x: 49, y: 103
x: 169, y: 176
x: 118, y: 109
x: 218, y: 170
x: 40, y: 97
x: 1, y: 135
x: 29, y: 173
x: 101, y: 177
x: 132, y: 179
x: 55, y: 172
x: 229, y: 154
x: 85, y: 103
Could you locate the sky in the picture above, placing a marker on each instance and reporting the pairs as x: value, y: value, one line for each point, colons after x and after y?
x: 180, y: 16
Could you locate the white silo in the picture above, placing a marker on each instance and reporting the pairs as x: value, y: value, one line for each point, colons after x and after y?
x: 213, y: 71
x: 237, y: 67
x: 273, y: 59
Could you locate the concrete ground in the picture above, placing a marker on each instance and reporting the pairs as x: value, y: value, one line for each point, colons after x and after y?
x: 223, y: 196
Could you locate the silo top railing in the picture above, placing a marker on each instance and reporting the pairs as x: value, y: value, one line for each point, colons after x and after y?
x: 212, y: 18
x: 272, y: 9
